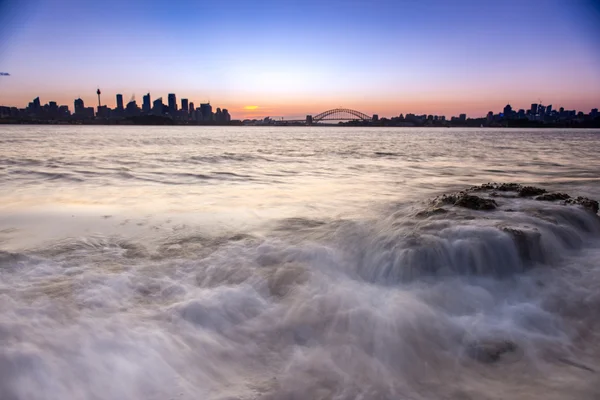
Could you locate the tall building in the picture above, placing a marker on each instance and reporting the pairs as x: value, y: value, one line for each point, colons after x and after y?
x: 462, y: 117
x: 35, y: 106
x: 219, y: 116
x: 490, y: 116
x: 206, y: 110
x: 508, y: 111
x: 172, y: 103
x: 120, y: 102
x: 146, y: 105
x: 594, y: 113
x: 534, y: 109
x: 63, y: 111
x: 191, y: 107
x: 158, y: 107
x: 541, y: 109
x: 227, y: 117
x: 184, y: 105
x: 132, y: 108
x: 79, y: 106
x: 549, y: 109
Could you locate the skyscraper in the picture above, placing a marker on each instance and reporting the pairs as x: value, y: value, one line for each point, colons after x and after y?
x: 132, y: 108
x: 534, y: 109
x: 119, y: 101
x: 508, y: 111
x: 206, y: 110
x: 219, y: 116
x: 227, y: 117
x: 157, y: 106
x: 146, y: 105
x: 79, y: 106
x: 184, y: 105
x: 172, y: 103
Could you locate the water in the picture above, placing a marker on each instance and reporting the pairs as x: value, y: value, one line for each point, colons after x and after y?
x: 293, y: 263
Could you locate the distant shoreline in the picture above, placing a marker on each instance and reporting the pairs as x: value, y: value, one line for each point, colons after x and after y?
x: 588, y: 125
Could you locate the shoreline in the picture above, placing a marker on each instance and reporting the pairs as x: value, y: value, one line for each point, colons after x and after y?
x: 592, y: 125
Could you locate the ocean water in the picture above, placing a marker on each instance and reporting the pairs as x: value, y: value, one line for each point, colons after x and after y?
x: 295, y: 263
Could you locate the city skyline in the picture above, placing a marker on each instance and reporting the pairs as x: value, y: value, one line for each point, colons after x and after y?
x: 185, y: 111
x: 274, y: 59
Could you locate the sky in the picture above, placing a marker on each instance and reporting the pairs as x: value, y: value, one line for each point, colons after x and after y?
x: 288, y: 58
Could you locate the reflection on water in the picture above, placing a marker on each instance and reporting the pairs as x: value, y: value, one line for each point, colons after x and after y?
x: 296, y: 263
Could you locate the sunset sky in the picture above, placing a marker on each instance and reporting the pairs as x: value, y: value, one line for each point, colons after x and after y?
x: 292, y: 58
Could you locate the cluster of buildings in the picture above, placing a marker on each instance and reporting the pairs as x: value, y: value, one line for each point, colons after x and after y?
x: 183, y: 112
x: 536, y: 115
x: 540, y: 113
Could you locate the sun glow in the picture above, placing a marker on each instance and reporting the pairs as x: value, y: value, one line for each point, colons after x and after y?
x: 251, y: 108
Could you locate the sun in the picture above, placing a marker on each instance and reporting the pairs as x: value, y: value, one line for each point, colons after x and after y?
x: 250, y: 107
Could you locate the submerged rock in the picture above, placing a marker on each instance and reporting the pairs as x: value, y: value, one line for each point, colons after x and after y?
x: 529, y: 191
x: 489, y: 351
x: 466, y: 200
x: 523, y: 191
x: 553, y: 197
x: 432, y: 211
x: 469, y: 200
x: 475, y: 202
x: 527, y: 242
x: 586, y: 203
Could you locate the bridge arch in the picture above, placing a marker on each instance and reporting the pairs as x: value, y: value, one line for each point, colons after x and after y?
x: 341, y: 114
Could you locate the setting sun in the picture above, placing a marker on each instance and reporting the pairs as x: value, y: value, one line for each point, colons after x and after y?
x: 251, y: 108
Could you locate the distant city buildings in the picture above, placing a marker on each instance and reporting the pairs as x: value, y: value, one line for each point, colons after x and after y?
x: 537, y: 114
x: 187, y: 113
x: 146, y: 107
x: 119, y: 102
x: 172, y: 103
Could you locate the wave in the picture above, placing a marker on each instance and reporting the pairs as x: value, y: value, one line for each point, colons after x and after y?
x: 486, y: 293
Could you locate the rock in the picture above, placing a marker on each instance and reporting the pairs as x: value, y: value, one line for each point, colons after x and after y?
x: 485, y: 186
x: 553, y: 197
x: 528, y: 191
x: 504, y: 190
x: 475, y: 202
x: 508, y: 187
x: 527, y: 241
x: 432, y: 211
x: 588, y: 204
x: 489, y: 351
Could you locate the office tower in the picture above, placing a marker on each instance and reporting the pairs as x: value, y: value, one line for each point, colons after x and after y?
x: 206, y: 110
x: 534, y: 109
x: 184, y: 105
x: 158, y: 107
x: 119, y: 101
x: 146, y: 103
x: 172, y: 103
x: 79, y: 106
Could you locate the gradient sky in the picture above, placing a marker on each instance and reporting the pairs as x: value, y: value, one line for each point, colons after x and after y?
x: 292, y: 58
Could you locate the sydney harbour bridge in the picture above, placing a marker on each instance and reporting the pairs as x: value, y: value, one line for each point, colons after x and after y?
x: 336, y: 114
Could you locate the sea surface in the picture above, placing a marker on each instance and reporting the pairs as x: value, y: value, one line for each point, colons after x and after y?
x: 296, y: 263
